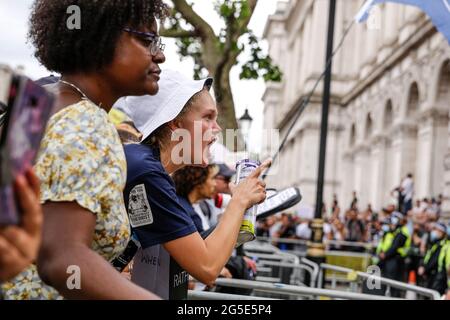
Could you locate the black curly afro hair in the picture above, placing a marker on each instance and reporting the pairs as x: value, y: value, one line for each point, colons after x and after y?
x: 92, y: 47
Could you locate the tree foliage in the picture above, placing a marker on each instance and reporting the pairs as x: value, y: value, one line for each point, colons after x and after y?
x: 216, y: 54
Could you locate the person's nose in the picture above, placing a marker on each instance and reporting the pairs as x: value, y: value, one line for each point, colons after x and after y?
x: 216, y: 128
x: 160, y: 57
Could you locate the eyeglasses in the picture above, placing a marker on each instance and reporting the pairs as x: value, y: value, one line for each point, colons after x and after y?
x: 155, y: 45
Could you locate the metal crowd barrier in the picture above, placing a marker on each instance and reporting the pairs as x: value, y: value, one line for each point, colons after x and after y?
x: 365, y: 245
x: 389, y: 283
x: 270, y: 256
x: 291, y: 290
x: 265, y: 251
x: 206, y: 295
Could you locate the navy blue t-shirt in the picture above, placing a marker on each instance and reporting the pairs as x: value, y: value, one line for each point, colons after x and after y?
x: 157, y: 217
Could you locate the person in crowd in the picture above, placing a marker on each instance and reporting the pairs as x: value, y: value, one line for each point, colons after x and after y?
x: 398, y: 194
x: 375, y: 230
x: 407, y: 190
x: 81, y: 164
x: 194, y: 184
x: 303, y: 229
x: 394, y: 253
x: 429, y: 267
x: 366, y: 216
x: 439, y: 202
x: 335, y: 209
x: 414, y: 255
x: 214, y: 207
x: 417, y: 214
x: 385, y: 242
x: 263, y: 228
x: 355, y: 229
x: 285, y: 231
x: 444, y: 265
x: 185, y: 111
x: 433, y: 210
x: 426, y: 238
x: 338, y: 233
x: 354, y: 203
x: 19, y: 244
x: 128, y: 132
x: 328, y: 234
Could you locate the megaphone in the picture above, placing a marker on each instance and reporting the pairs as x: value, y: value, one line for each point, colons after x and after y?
x: 278, y: 201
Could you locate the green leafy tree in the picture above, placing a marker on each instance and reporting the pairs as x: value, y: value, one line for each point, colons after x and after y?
x: 216, y: 54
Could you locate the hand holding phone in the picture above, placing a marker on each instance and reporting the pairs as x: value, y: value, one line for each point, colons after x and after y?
x: 19, y: 244
x: 28, y: 110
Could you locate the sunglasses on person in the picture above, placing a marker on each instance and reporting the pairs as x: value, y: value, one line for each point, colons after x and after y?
x: 153, y: 42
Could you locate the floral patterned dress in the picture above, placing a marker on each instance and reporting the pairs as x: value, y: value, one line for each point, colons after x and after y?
x: 82, y: 160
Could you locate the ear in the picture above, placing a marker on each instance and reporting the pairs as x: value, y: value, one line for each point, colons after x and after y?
x: 174, y: 125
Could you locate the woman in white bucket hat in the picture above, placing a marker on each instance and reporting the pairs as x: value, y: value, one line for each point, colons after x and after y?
x: 171, y: 247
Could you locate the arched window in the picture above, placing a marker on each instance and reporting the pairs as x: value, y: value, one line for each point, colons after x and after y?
x: 443, y: 96
x: 352, y: 135
x: 369, y: 126
x: 388, y: 118
x: 413, y: 101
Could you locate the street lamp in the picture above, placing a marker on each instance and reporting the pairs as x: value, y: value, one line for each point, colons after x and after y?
x: 245, y: 123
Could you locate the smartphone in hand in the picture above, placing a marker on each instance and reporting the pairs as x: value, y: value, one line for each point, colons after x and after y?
x: 28, y: 109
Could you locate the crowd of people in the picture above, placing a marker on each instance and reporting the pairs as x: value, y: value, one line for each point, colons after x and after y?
x: 90, y: 192
x: 109, y: 171
x: 404, y: 238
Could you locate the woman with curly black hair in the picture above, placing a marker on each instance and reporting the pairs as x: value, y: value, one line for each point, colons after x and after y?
x: 81, y: 165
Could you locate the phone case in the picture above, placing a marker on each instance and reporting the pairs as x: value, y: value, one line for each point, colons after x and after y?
x: 29, y: 108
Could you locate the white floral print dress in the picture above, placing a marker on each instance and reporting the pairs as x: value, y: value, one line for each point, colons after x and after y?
x: 81, y: 159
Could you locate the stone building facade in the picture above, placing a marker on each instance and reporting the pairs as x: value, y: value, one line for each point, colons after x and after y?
x: 390, y: 102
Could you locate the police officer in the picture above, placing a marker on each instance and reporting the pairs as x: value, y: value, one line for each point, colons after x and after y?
x: 429, y: 267
x: 385, y: 240
x: 386, y: 236
x: 441, y: 282
x: 392, y: 258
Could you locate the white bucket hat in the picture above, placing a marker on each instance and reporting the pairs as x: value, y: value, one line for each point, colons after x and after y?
x: 150, y: 112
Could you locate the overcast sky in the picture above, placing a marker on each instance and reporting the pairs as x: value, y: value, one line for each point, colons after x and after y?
x: 14, y: 51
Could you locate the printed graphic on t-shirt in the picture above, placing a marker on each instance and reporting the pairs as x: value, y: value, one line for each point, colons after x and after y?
x: 139, y: 209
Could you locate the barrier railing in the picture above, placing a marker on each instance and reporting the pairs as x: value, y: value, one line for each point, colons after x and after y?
x: 292, y: 266
x: 269, y: 255
x: 297, y: 290
x: 315, y: 273
x: 389, y: 283
x: 206, y: 295
x: 337, y: 243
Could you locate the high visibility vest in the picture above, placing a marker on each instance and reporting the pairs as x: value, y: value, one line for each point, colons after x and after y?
x: 385, y: 242
x: 432, y: 250
x: 444, y: 260
x: 403, y: 251
x: 444, y: 257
